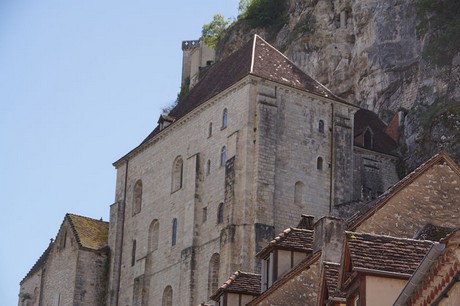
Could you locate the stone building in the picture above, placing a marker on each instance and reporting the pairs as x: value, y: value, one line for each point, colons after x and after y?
x: 73, y: 269
x: 254, y: 144
x: 401, y: 249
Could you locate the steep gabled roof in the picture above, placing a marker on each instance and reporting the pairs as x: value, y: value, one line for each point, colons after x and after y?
x: 382, y: 142
x: 378, y: 254
x: 366, y: 212
x: 240, y: 282
x: 256, y: 57
x: 295, y: 239
x: 90, y: 233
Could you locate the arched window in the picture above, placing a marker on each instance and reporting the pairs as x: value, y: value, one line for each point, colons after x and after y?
x: 177, y: 173
x: 321, y: 126
x: 368, y: 139
x: 154, y: 230
x: 223, y: 156
x: 208, y: 167
x: 299, y: 193
x: 210, y: 129
x: 224, y: 118
x: 137, y: 197
x: 220, y: 213
x: 213, y: 274
x: 167, y: 296
x: 133, y: 253
x: 319, y: 163
x: 174, y: 232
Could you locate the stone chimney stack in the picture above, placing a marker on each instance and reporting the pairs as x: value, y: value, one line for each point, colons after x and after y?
x: 306, y: 222
x: 328, y: 237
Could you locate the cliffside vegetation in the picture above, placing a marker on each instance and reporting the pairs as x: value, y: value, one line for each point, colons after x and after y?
x: 442, y: 17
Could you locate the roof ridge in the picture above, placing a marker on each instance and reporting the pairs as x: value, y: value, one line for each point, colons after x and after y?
x: 89, y: 218
x: 388, y: 236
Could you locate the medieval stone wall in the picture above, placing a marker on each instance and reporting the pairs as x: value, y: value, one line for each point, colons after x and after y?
x: 61, y: 270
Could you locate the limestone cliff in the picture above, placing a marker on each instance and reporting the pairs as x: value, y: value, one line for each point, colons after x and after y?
x: 374, y: 54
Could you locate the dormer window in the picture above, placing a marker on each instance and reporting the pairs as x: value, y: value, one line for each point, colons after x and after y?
x: 164, y: 121
x: 267, y: 272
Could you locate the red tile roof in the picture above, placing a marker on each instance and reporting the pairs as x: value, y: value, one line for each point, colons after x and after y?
x: 240, y: 282
x: 385, y: 254
x: 295, y: 239
x: 331, y: 272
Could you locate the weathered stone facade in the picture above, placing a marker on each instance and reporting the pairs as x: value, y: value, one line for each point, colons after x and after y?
x: 279, y: 164
x: 73, y: 270
x: 254, y: 145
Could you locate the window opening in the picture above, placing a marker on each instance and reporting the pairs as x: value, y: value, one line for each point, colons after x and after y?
x: 319, y: 163
x: 224, y: 118
x: 220, y: 213
x: 174, y: 232
x: 178, y: 169
x: 223, y: 156
x: 321, y: 126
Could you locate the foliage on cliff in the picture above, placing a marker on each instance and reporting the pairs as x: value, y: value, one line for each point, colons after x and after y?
x: 212, y: 31
x: 442, y: 17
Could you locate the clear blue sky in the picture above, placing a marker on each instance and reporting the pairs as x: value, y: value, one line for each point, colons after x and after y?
x: 81, y: 83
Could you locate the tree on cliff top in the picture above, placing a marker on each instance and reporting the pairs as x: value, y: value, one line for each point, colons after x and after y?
x: 212, y: 31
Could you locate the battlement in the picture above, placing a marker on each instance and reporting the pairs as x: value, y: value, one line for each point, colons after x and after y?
x: 188, y: 45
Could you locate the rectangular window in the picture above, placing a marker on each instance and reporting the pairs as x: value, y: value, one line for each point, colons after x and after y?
x: 205, y: 214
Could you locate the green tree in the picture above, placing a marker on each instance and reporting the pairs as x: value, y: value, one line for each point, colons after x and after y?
x: 212, y: 31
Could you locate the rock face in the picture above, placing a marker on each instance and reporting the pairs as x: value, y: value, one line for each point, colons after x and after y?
x: 369, y: 52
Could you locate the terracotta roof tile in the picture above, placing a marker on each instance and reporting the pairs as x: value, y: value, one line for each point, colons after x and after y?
x: 240, y: 282
x: 296, y: 239
x: 385, y: 254
x: 331, y: 272
x: 91, y: 233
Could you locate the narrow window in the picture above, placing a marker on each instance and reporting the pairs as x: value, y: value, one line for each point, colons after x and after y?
x: 210, y: 129
x: 167, y: 297
x: 220, y: 213
x: 298, y: 193
x: 224, y: 118
x: 64, y: 240
x: 137, y: 197
x: 368, y: 141
x: 208, y: 167
x: 174, y: 232
x: 205, y: 214
x: 213, y: 274
x: 177, y: 173
x: 319, y: 163
x: 321, y: 126
x: 133, y: 253
x: 223, y: 156
x: 154, y: 231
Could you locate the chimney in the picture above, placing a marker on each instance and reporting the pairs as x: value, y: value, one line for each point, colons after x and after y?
x: 306, y: 222
x: 328, y: 237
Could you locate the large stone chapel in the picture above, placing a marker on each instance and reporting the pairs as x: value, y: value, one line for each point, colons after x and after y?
x: 255, y: 144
